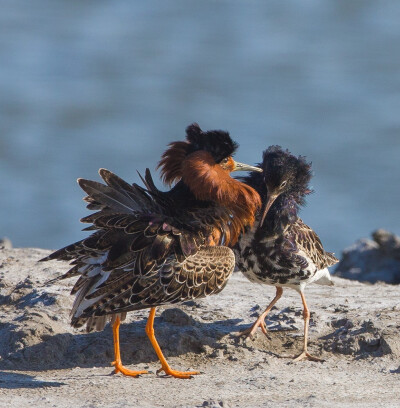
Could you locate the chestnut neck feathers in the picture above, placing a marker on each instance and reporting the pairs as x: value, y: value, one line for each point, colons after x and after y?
x: 216, y: 142
x: 203, y: 163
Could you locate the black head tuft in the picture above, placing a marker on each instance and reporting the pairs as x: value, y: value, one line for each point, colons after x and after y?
x: 216, y: 142
x: 286, y: 173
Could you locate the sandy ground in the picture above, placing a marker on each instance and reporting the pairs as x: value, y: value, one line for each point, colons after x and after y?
x: 45, y: 363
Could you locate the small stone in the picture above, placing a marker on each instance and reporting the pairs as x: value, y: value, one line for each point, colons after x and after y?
x: 5, y: 243
x: 218, y: 353
x: 390, y: 344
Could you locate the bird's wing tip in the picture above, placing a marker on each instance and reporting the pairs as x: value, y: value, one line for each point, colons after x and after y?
x: 103, y: 171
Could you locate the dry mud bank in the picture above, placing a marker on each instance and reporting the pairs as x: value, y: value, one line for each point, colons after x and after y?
x: 44, y: 362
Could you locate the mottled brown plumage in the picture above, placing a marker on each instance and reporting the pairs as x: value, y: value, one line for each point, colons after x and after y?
x: 308, y: 241
x: 151, y: 248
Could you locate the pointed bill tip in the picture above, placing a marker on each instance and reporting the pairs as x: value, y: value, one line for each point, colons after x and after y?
x: 245, y: 167
x: 268, y: 205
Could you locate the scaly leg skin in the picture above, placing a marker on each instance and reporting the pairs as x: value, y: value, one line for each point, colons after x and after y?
x: 117, y: 363
x: 164, y: 364
x: 260, y: 322
x: 305, y: 355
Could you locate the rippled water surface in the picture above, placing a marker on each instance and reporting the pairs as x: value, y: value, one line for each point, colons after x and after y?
x: 93, y: 84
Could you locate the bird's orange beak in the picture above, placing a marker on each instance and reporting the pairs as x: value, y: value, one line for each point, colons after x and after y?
x: 271, y: 199
x: 245, y: 167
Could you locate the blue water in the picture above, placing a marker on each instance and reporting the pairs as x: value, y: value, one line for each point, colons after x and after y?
x: 93, y: 84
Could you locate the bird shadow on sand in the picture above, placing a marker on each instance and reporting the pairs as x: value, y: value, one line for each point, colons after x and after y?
x: 15, y: 380
x: 177, y: 333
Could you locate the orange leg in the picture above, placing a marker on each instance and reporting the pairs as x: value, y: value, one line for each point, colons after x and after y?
x: 305, y: 355
x: 260, y: 322
x: 164, y: 365
x: 119, y: 368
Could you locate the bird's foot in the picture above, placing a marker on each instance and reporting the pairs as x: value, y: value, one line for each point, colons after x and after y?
x: 177, y: 374
x: 119, y: 368
x: 250, y: 331
x: 307, y: 356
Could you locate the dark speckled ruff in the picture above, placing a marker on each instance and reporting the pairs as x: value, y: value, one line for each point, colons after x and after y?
x: 282, y: 251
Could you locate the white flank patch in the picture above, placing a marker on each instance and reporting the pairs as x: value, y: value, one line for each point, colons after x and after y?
x: 323, y: 277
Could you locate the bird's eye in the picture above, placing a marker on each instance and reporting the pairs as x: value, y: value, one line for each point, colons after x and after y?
x: 283, y: 184
x: 224, y: 161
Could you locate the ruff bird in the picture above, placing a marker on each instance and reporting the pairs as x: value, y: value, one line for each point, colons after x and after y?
x: 280, y: 249
x: 152, y: 248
